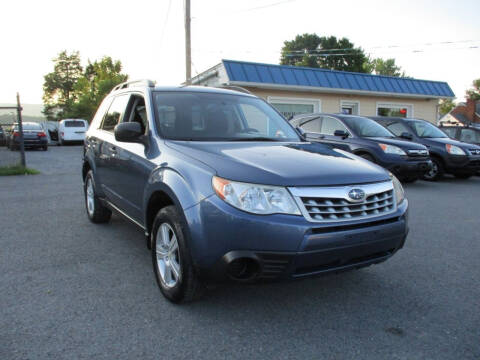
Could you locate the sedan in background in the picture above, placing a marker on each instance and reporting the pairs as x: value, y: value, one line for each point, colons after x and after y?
x: 33, y: 137
x: 365, y: 138
x: 448, y: 155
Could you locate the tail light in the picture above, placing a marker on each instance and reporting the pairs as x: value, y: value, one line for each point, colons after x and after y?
x: 41, y: 134
x: 16, y: 134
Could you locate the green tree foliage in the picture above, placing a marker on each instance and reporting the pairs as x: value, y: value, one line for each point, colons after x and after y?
x: 71, y: 92
x: 381, y: 66
x: 474, y: 92
x: 445, y: 106
x: 58, y: 89
x: 312, y: 50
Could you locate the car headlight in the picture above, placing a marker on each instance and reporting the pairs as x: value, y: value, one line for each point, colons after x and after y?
x: 391, y: 149
x: 254, y: 198
x: 454, y: 150
x: 398, y: 189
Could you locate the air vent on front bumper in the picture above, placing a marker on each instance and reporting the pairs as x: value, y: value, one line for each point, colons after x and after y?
x: 333, y: 204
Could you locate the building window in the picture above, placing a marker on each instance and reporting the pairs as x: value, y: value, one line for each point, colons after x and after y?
x: 290, y: 107
x: 397, y: 110
x: 350, y: 107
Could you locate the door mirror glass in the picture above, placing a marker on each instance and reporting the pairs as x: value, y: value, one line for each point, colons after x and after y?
x: 128, y: 132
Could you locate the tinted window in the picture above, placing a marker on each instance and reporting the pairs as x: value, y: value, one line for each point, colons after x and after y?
x: 470, y: 136
x: 397, y: 128
x: 137, y: 112
x: 219, y: 117
x: 314, y: 125
x: 450, y: 131
x: 424, y: 129
x: 115, y: 112
x: 364, y: 127
x: 329, y: 125
x: 74, y: 123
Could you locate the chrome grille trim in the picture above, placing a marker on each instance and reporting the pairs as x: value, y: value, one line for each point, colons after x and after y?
x: 332, y: 204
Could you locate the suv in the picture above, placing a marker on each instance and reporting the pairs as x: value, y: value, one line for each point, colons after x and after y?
x: 468, y: 134
x: 448, y: 155
x: 365, y: 138
x: 224, y: 187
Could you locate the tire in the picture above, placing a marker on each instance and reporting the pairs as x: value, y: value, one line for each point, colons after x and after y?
x: 172, y: 263
x: 409, y: 179
x: 60, y: 142
x: 463, y: 176
x: 45, y: 148
x: 368, y: 157
x: 96, y: 212
x: 437, y: 171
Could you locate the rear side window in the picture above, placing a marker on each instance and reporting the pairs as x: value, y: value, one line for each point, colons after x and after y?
x: 312, y: 126
x: 74, y: 123
x: 115, y: 112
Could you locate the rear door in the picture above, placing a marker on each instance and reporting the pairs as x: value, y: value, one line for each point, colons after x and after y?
x: 106, y: 146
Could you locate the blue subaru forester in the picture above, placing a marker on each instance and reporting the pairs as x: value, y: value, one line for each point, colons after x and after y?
x: 225, y: 188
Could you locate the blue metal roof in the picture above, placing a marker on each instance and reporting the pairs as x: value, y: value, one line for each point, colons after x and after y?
x: 250, y: 72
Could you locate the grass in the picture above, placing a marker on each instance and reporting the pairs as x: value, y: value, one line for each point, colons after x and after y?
x: 17, y: 170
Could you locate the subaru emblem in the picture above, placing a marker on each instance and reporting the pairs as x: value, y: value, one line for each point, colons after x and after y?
x: 356, y: 194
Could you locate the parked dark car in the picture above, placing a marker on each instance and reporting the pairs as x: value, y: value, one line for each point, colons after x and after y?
x: 33, y: 136
x: 448, y: 155
x: 224, y: 187
x: 3, y: 139
x: 468, y: 134
x: 365, y: 138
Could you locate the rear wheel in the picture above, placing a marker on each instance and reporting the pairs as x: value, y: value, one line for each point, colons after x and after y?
x: 409, y: 179
x: 436, y: 172
x: 172, y: 263
x: 45, y: 148
x: 97, y: 213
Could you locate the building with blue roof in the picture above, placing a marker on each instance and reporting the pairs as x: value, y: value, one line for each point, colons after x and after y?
x: 295, y: 90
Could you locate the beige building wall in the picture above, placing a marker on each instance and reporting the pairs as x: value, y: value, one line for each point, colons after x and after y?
x: 421, y: 108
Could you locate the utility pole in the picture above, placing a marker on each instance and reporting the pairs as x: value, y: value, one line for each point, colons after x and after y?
x: 20, y: 131
x: 188, y: 53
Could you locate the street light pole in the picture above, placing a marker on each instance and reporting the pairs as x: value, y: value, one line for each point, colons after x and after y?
x: 188, y: 53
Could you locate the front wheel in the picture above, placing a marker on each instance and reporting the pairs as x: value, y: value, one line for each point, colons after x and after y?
x: 368, y: 157
x: 97, y: 213
x: 172, y: 263
x: 436, y: 172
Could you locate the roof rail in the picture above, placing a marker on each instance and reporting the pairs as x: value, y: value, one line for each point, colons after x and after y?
x: 234, y: 88
x: 127, y: 84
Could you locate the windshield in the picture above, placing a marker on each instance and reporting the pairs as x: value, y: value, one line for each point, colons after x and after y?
x: 197, y: 116
x: 424, y: 129
x: 364, y: 127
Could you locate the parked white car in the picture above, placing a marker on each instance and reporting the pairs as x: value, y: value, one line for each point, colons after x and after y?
x: 72, y: 130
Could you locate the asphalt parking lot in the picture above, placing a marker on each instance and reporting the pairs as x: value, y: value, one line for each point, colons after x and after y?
x: 70, y: 289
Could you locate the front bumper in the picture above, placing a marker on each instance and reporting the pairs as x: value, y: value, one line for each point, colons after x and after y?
x: 287, y: 246
x: 457, y: 164
x: 407, y: 167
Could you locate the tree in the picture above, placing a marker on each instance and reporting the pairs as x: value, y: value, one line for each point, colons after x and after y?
x: 58, y: 88
x: 99, y: 78
x: 326, y: 52
x: 381, y: 66
x: 474, y: 92
x: 445, y: 106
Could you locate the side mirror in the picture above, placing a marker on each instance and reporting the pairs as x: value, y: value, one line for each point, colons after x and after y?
x: 128, y: 132
x: 341, y: 133
x: 406, y: 135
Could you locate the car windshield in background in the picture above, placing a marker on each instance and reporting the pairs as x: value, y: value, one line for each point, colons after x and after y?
x: 74, y: 123
x: 198, y: 116
x: 424, y: 129
x: 366, y: 128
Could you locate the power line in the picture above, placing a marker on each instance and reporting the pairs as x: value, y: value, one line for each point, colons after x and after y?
x: 165, y: 24
x: 266, y: 6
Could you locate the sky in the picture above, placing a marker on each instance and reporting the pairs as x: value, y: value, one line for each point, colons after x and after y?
x: 434, y: 40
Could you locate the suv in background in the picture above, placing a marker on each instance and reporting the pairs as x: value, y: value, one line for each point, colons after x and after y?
x: 224, y: 187
x: 468, y: 134
x: 448, y: 155
x: 365, y: 138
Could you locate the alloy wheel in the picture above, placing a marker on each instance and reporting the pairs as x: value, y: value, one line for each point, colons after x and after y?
x: 168, y: 256
x: 90, y: 197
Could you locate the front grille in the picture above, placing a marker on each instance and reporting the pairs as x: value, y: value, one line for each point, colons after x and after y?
x: 417, y: 152
x: 341, y: 209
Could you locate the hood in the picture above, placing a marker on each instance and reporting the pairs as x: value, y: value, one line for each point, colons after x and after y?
x: 403, y: 144
x: 283, y: 164
x: 437, y: 141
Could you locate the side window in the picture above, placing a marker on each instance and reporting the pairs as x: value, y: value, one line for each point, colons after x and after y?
x: 450, y: 131
x: 469, y: 136
x: 100, y: 114
x: 397, y: 128
x: 329, y: 125
x: 312, y: 126
x: 115, y: 112
x: 137, y: 112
